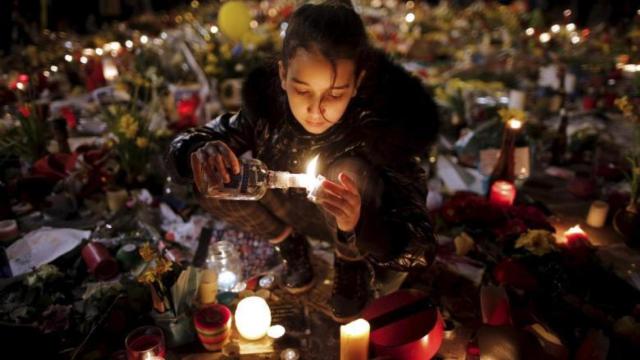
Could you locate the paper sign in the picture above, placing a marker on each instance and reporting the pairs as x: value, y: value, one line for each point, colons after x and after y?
x: 42, y: 246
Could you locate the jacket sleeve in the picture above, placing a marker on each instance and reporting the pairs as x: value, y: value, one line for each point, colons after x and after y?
x: 399, y: 227
x: 236, y: 130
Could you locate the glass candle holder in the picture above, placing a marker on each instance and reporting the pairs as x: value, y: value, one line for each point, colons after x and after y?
x: 146, y: 342
x: 225, y: 260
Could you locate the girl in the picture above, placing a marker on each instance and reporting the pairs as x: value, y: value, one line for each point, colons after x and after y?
x: 330, y: 94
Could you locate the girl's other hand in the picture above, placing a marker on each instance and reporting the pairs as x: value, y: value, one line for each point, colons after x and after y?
x: 342, y: 201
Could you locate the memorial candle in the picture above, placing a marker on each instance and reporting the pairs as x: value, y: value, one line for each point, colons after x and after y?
x: 574, y: 234
x: 502, y: 193
x: 354, y: 340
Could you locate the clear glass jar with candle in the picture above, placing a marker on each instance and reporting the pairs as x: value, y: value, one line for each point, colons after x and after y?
x: 225, y: 260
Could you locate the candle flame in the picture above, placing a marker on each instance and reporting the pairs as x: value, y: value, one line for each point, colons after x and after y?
x: 356, y: 327
x: 514, y: 124
x: 312, y: 167
x: 575, y: 230
x: 312, y: 180
x: 572, y: 231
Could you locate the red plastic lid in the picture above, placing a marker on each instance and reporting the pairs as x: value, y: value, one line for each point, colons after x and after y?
x: 405, y: 329
x: 212, y: 316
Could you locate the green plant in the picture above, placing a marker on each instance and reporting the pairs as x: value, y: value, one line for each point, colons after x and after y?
x: 28, y: 137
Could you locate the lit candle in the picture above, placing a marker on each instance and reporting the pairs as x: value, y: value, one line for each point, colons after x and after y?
x: 227, y: 280
x: 253, y: 318
x: 354, y: 340
x: 109, y: 69
x: 276, y: 331
x: 502, y: 193
x: 597, y: 214
x: 573, y: 236
x: 313, y: 180
x: 208, y: 287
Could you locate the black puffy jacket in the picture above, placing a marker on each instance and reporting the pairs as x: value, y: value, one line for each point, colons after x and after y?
x: 390, y: 123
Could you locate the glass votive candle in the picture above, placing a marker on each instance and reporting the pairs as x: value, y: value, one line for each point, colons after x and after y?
x: 144, y: 343
x: 225, y: 260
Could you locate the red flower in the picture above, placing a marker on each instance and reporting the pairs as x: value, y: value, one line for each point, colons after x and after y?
x: 25, y: 110
x: 512, y: 227
x: 470, y: 208
x: 533, y: 217
x: 512, y: 273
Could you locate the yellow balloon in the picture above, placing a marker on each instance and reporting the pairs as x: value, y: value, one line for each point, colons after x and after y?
x: 234, y: 19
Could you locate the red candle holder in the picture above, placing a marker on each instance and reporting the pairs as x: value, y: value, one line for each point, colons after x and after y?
x: 575, y: 236
x: 145, y: 342
x: 213, y: 325
x: 502, y: 193
x: 99, y: 262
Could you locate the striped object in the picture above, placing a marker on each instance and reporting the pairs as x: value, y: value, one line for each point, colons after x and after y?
x: 213, y: 325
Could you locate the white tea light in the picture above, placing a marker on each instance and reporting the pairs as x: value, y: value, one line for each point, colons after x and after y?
x: 253, y: 318
x: 227, y: 280
x: 276, y: 331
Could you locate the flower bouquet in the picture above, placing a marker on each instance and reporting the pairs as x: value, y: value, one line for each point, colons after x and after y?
x: 173, y: 290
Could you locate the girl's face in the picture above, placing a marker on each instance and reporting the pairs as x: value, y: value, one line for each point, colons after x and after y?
x: 317, y: 96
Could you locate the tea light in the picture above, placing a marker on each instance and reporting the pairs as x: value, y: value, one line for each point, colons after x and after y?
x: 276, y: 331
x: 354, y: 340
x: 253, y: 318
x: 502, y: 193
x: 227, y: 280
x: 289, y: 354
x: 597, y: 214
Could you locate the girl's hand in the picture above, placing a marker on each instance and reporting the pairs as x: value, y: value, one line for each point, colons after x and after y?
x: 212, y: 165
x: 342, y: 201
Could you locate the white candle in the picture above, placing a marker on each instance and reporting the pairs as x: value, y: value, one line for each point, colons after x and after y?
x: 354, y: 340
x: 276, y: 331
x: 517, y: 99
x: 208, y: 287
x: 253, y: 318
x: 597, y: 214
x: 227, y: 280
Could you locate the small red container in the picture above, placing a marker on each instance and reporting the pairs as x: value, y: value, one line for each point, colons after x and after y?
x: 404, y: 326
x: 99, y: 261
x: 213, y: 324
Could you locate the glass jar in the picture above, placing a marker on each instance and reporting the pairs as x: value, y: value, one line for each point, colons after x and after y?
x: 225, y: 260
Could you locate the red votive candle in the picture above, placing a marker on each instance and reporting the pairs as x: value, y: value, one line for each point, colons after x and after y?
x: 146, y: 342
x: 574, y: 236
x: 99, y: 262
x: 502, y: 193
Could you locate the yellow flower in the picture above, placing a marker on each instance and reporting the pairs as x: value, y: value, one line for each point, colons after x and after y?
x: 625, y: 106
x: 142, y: 142
x: 538, y: 242
x: 507, y: 114
x: 128, y: 126
x: 147, y: 252
x: 164, y: 132
x: 110, y: 143
x: 163, y: 266
x: 147, y: 277
x: 211, y: 58
x: 225, y: 51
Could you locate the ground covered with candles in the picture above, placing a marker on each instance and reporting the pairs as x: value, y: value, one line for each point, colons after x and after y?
x: 533, y: 185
